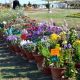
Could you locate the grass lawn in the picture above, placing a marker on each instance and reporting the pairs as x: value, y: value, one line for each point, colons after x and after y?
x: 58, y: 15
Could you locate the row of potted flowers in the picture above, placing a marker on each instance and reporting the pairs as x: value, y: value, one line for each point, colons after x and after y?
x: 51, y: 47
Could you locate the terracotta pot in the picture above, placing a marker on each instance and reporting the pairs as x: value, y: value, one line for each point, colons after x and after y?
x: 18, y: 50
x: 11, y: 47
x: 23, y: 53
x: 29, y: 55
x: 46, y: 70
x: 15, y: 50
x: 39, y: 60
x: 57, y: 73
x: 77, y: 65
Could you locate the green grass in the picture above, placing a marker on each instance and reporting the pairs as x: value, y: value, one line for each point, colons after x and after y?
x: 58, y: 15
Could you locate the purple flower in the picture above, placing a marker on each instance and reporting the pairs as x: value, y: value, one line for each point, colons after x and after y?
x: 65, y: 46
x: 55, y: 29
x: 69, y: 45
x: 12, y: 37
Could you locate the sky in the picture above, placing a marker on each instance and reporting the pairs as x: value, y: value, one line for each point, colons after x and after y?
x: 25, y: 1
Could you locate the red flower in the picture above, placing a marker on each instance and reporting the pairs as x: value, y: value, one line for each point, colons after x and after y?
x: 23, y: 36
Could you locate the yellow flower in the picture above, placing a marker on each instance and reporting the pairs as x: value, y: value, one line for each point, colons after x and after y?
x: 77, y: 42
x: 54, y: 37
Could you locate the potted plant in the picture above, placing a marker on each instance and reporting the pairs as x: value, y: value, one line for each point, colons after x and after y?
x: 63, y: 65
x: 44, y: 54
x: 29, y: 49
x: 69, y: 63
x: 12, y: 40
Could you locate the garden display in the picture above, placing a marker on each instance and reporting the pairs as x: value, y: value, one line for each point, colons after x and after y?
x: 56, y: 51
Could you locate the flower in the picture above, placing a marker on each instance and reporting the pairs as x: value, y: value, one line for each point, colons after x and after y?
x: 23, y: 42
x: 44, y: 39
x: 54, y: 37
x: 77, y: 41
x: 12, y: 37
x: 24, y: 31
x: 69, y: 45
x: 29, y: 46
x: 64, y: 42
x: 23, y: 36
x: 4, y: 22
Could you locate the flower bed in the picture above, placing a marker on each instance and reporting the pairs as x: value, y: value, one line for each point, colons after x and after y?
x: 56, y: 48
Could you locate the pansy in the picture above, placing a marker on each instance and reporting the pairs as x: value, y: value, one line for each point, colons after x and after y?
x: 54, y: 37
x: 12, y: 37
x: 23, y: 42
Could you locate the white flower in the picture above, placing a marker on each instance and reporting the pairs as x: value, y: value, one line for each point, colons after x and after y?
x: 23, y: 42
x: 4, y: 22
x: 24, y: 31
x: 29, y: 42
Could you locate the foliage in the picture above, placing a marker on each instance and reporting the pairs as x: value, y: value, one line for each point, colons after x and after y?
x: 29, y: 46
x: 43, y: 50
x: 72, y: 35
x: 76, y: 47
x: 8, y: 14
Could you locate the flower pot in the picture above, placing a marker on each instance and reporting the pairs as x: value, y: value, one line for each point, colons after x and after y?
x: 57, y: 73
x: 77, y: 65
x: 23, y: 53
x: 39, y: 60
x: 11, y: 47
x: 29, y: 55
x: 46, y: 70
x: 17, y: 49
